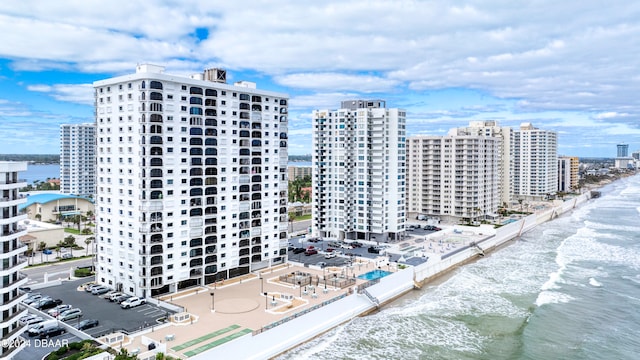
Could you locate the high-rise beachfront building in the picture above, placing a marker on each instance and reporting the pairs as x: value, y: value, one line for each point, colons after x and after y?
x: 191, y: 180
x: 568, y: 173
x: 11, y: 255
x: 535, y: 162
x: 77, y: 159
x: 491, y: 128
x: 454, y: 177
x: 359, y: 171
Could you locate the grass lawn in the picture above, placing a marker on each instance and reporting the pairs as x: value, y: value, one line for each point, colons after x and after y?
x: 300, y: 218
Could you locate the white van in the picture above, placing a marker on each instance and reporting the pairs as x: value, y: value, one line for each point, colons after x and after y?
x: 40, y: 327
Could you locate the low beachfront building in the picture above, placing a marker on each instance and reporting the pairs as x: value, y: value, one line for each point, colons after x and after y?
x: 55, y: 207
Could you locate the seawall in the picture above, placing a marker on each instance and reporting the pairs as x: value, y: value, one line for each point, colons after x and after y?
x: 278, y: 340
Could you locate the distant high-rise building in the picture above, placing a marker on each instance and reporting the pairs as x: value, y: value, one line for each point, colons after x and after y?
x: 623, y: 160
x: 299, y: 172
x: 623, y: 150
x: 454, y: 177
x: 535, y: 162
x: 11, y: 254
x: 491, y: 128
x: 568, y: 177
x: 359, y: 171
x: 77, y: 159
x: 192, y: 180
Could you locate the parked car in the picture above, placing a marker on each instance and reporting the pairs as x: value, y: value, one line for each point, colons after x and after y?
x: 59, y: 309
x: 70, y: 314
x: 26, y: 318
x: 310, y: 252
x: 330, y: 255
x: 356, y: 244
x: 32, y: 298
x: 33, y: 320
x: 67, y: 256
x: 88, y: 324
x: 119, y: 299
x: 322, y: 264
x: 298, y: 250
x: 112, y: 297
x: 47, y: 304
x: 55, y: 331
x: 90, y: 287
x: 99, y: 290
x: 373, y: 250
x: 315, y: 240
x: 36, y: 329
x: 25, y: 289
x: 132, y: 302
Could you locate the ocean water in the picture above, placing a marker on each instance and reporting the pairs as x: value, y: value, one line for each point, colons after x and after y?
x: 569, y: 289
x: 40, y: 172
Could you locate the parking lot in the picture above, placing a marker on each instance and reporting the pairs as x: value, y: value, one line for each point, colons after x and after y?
x: 109, y: 314
x: 37, y: 349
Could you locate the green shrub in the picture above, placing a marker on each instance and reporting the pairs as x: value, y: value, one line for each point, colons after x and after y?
x: 76, y: 345
x: 82, y: 272
x: 62, y: 350
x: 52, y: 356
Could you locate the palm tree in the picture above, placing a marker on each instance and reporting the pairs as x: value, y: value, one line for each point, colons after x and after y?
x: 88, y: 241
x: 41, y: 246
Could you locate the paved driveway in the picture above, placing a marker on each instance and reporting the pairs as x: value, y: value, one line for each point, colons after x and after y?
x: 109, y: 314
x: 36, y: 349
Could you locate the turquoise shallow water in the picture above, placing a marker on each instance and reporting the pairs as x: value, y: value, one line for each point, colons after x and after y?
x: 569, y: 289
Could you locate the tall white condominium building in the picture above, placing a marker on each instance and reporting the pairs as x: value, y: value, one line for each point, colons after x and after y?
x: 535, y: 165
x: 454, y: 177
x: 192, y: 180
x: 359, y: 171
x: 12, y: 249
x: 568, y: 177
x: 491, y: 128
x: 77, y: 159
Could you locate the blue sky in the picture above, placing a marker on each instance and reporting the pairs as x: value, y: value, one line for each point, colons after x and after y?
x: 571, y: 67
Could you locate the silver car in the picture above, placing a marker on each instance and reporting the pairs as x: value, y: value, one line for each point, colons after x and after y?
x: 70, y: 314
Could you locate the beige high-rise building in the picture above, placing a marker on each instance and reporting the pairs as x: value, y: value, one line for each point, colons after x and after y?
x: 454, y: 177
x: 299, y: 172
x: 568, y: 177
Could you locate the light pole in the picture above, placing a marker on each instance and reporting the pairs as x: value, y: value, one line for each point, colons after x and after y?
x: 266, y: 301
x: 261, y: 284
x: 300, y: 286
x: 212, y: 301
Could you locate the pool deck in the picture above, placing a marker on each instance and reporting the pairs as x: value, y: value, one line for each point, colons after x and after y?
x: 240, y: 307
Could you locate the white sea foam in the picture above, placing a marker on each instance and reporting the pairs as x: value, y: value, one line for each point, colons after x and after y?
x: 552, y: 297
x: 594, y: 282
x: 635, y: 279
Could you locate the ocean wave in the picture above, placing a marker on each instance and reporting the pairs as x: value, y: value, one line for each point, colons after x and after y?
x: 605, y: 226
x: 552, y: 297
x: 635, y: 279
x: 594, y: 282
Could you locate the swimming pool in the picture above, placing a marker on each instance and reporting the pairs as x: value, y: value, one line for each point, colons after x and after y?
x: 374, y: 274
x: 509, y: 221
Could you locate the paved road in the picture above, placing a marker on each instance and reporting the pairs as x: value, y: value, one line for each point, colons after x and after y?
x: 300, y: 225
x: 55, y: 270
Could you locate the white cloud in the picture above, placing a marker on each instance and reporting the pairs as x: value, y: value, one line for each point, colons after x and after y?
x: 337, y: 82
x: 547, y: 56
x: 75, y: 93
